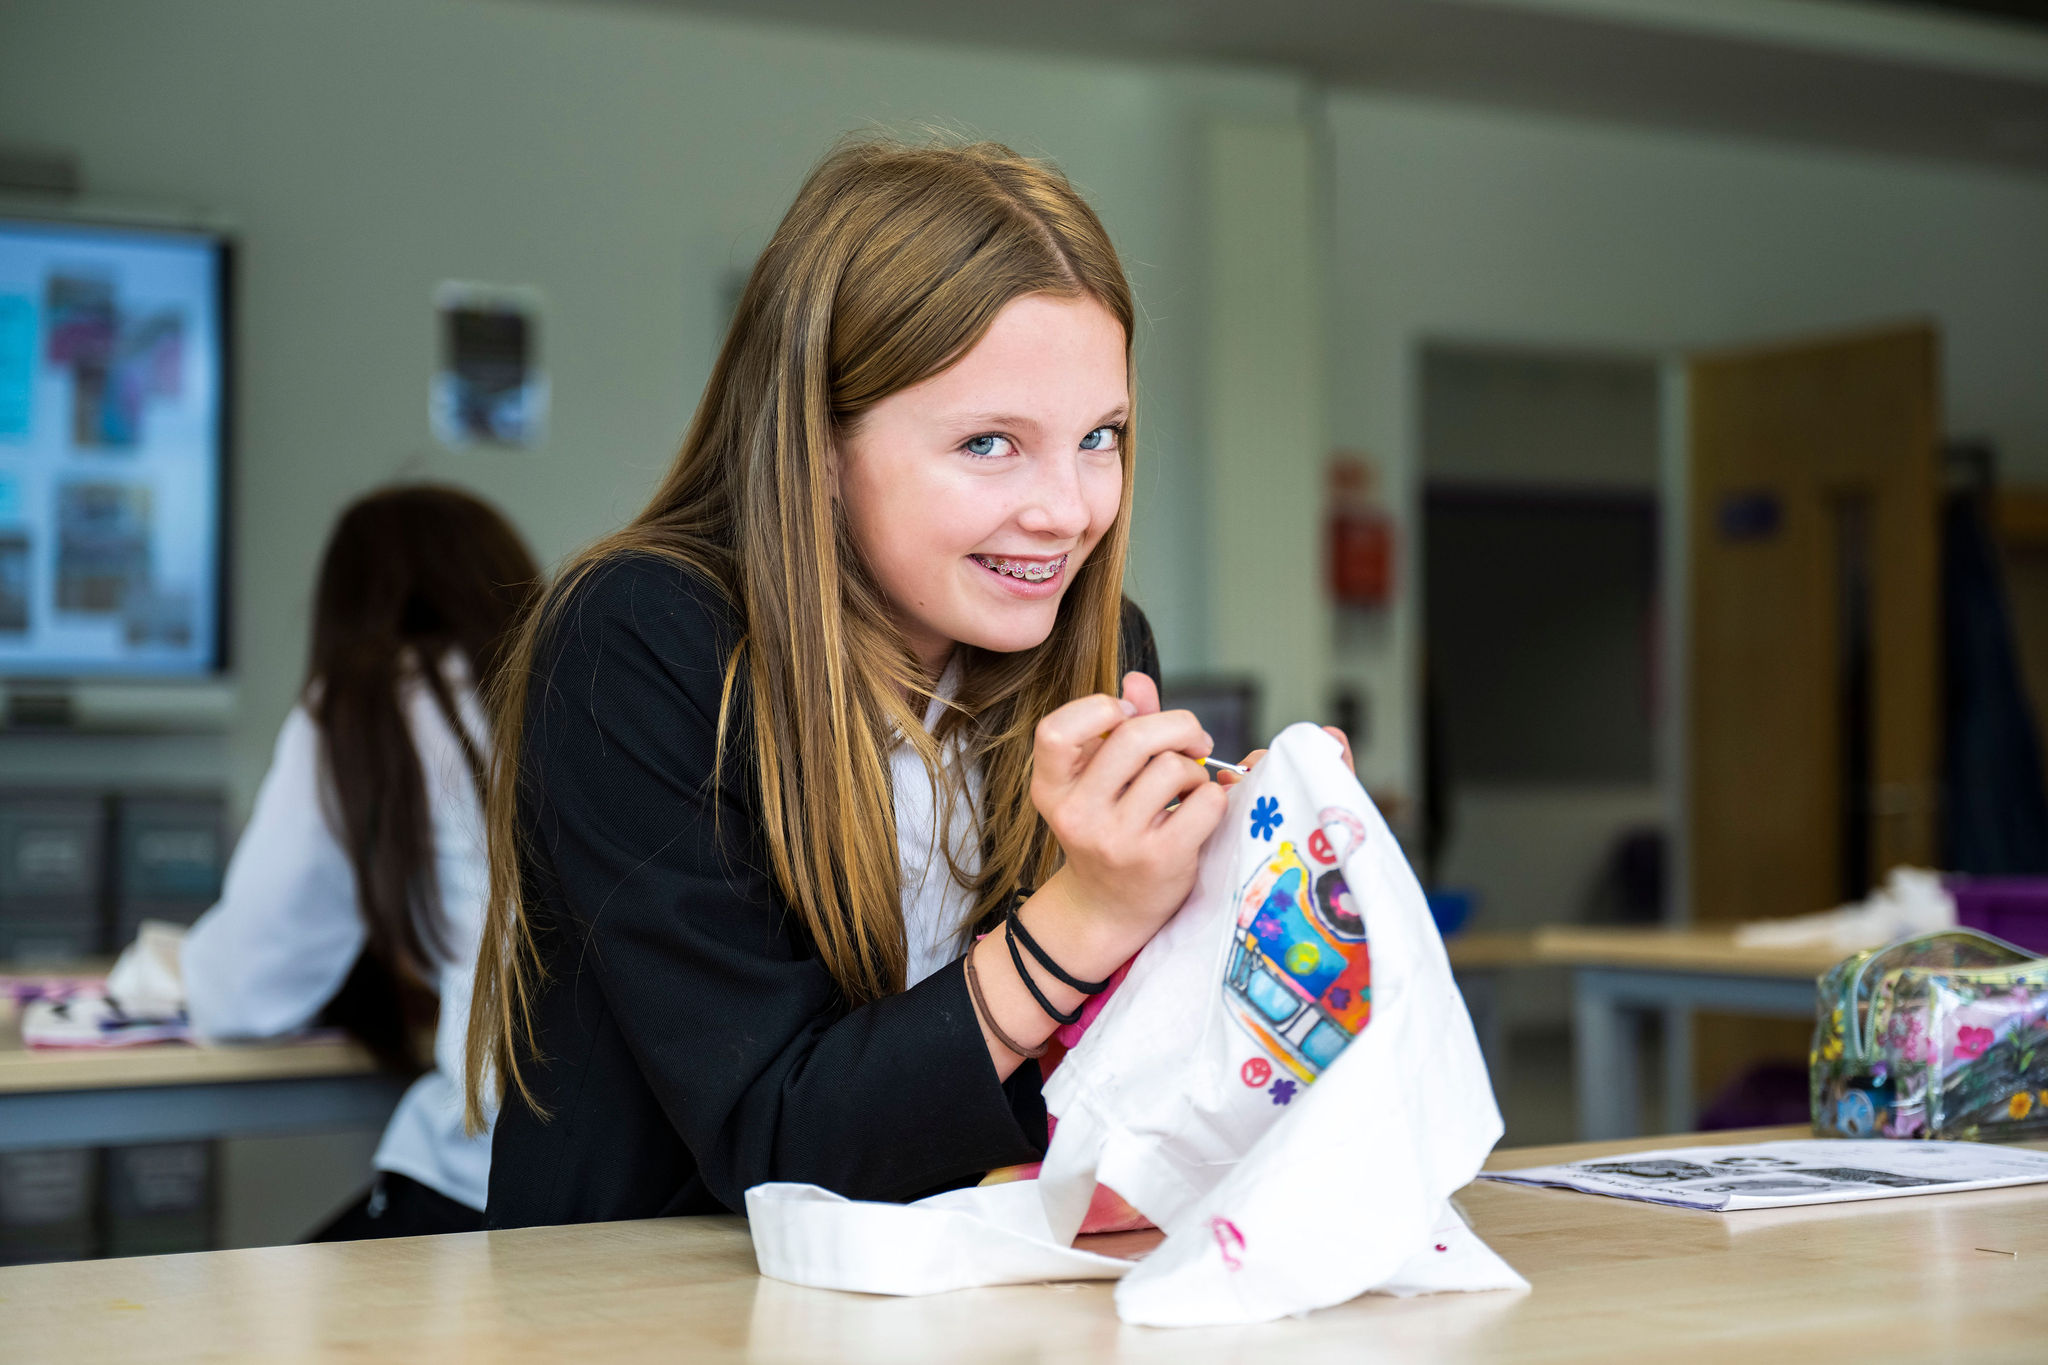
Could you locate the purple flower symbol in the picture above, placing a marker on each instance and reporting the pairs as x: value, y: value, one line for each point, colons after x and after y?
x: 1266, y: 926
x: 1340, y: 999
x: 1282, y: 1091
x: 1265, y: 818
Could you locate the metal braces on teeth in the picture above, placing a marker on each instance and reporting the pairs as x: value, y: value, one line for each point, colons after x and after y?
x: 1020, y: 569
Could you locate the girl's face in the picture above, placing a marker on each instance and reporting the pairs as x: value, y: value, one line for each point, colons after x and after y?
x: 976, y: 495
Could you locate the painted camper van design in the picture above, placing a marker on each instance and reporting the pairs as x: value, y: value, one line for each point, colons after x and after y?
x: 1300, y: 974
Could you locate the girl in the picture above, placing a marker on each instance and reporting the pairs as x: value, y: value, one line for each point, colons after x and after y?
x: 358, y: 887
x: 840, y: 696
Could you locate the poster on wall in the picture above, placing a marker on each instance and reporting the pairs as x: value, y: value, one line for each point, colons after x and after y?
x: 489, y: 388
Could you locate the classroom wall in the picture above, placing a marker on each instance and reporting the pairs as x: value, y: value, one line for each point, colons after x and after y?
x: 1455, y: 222
x: 624, y: 161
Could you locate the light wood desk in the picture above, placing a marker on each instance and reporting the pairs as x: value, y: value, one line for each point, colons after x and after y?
x: 1898, y: 1279
x: 174, y: 1092
x: 1619, y: 974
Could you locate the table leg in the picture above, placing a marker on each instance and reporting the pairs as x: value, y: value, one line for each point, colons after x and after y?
x: 1606, y: 1059
x: 1681, y: 1111
x: 1481, y: 990
x: 1607, y: 1051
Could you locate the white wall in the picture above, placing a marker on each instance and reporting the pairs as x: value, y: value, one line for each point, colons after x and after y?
x: 622, y: 160
x: 1476, y: 224
x: 1266, y: 418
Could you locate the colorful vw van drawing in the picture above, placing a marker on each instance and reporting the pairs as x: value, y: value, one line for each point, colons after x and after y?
x: 1300, y: 975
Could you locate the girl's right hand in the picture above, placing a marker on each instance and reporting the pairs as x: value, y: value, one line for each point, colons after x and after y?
x: 1104, y: 772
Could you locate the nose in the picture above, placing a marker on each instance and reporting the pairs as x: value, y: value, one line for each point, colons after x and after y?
x: 1054, y: 507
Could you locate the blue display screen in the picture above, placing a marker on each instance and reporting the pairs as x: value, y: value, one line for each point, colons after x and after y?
x: 113, y: 392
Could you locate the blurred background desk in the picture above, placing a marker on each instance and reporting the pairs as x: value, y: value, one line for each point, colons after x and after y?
x: 173, y: 1092
x: 1619, y: 975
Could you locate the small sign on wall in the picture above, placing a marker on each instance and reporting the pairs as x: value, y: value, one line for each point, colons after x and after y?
x: 488, y: 388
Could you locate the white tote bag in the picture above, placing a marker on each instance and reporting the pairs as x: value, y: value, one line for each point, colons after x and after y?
x: 1287, y: 1083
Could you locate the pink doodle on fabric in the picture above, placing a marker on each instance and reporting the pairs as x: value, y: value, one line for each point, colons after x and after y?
x: 1256, y: 1073
x: 1229, y: 1241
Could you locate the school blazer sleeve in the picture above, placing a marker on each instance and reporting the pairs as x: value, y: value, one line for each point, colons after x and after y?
x: 657, y: 876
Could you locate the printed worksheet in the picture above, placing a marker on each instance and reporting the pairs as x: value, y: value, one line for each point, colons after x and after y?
x: 1773, y: 1175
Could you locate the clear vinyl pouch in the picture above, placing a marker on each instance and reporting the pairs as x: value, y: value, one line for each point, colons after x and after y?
x: 1940, y: 1036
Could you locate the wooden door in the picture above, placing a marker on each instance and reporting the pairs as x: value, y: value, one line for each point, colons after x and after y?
x: 1813, y: 727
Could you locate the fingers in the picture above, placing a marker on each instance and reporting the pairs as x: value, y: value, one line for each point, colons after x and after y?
x: 1141, y: 692
x: 1191, y: 823
x: 1134, y: 744
x: 1225, y: 779
x: 1067, y: 738
x: 1166, y: 779
x: 1334, y: 733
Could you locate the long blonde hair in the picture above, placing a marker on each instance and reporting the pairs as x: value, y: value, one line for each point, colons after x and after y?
x: 890, y: 265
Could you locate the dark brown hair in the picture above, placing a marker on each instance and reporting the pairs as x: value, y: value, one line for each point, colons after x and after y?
x: 410, y: 574
x: 889, y: 267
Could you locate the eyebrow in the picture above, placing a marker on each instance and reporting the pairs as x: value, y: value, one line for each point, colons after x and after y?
x: 1116, y: 414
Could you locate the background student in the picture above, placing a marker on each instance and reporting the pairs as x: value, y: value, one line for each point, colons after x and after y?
x: 839, y: 696
x: 356, y: 891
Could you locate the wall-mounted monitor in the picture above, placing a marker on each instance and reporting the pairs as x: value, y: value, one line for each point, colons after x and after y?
x: 114, y: 392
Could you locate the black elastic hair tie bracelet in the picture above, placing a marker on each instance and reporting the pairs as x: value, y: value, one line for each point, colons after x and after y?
x: 1045, y: 959
x: 1031, y: 985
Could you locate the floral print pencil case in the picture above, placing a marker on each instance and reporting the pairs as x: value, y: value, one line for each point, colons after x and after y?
x: 1940, y: 1036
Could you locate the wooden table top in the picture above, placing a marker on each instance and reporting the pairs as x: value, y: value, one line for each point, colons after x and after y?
x: 1677, y: 950
x: 1479, y: 949
x: 1650, y: 947
x: 26, y: 1070
x: 1916, y: 1278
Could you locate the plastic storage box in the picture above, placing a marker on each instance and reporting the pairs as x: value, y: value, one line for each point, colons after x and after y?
x: 169, y: 859
x: 52, y: 875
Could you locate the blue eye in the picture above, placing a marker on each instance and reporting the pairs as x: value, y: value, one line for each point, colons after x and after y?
x: 985, y: 445
x: 1102, y: 438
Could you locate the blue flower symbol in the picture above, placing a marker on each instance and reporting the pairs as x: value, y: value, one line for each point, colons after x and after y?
x: 1282, y: 1091
x: 1265, y: 818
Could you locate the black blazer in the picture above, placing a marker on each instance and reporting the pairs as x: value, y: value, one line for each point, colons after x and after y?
x: 691, y: 1042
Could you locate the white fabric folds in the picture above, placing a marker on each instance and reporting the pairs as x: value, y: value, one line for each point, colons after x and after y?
x: 1287, y: 1084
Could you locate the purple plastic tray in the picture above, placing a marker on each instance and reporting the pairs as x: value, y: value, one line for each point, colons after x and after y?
x: 2012, y: 908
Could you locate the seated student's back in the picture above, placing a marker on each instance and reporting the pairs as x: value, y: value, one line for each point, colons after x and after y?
x: 355, y: 896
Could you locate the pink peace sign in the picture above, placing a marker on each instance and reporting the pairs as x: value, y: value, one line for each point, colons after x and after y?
x: 1256, y: 1072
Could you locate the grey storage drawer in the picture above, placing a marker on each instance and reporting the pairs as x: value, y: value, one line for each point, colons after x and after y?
x: 169, y: 853
x: 46, y: 1206
x: 52, y: 874
x: 159, y: 1199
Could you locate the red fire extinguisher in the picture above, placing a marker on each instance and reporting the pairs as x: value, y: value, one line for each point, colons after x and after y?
x: 1361, y: 536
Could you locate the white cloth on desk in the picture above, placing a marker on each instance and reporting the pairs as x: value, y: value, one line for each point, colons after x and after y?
x: 287, y: 929
x: 1912, y: 901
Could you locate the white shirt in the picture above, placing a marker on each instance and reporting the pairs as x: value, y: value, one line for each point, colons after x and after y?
x: 265, y: 959
x: 935, y: 906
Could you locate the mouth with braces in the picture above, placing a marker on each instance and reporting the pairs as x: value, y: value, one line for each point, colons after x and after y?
x: 1026, y: 570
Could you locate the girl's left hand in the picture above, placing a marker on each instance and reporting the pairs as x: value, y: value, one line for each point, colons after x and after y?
x: 1225, y: 779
